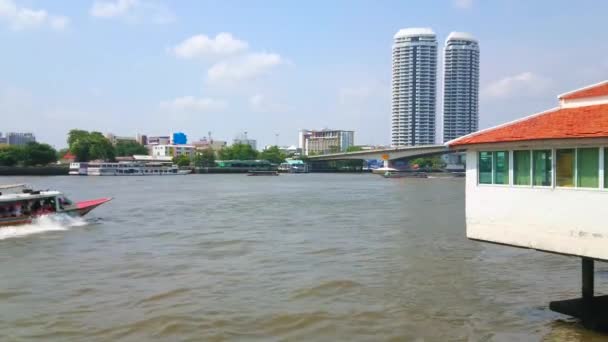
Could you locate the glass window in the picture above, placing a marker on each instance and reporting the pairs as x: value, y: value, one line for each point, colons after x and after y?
x: 521, y: 167
x: 564, y: 167
x: 501, y: 167
x: 485, y: 167
x: 541, y: 172
x: 587, y: 167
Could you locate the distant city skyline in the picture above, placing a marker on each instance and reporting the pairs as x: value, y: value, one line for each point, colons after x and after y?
x: 157, y: 66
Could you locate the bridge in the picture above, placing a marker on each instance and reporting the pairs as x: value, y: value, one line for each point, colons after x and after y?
x: 388, y: 154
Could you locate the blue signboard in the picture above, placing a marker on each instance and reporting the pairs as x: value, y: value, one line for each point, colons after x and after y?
x: 180, y: 138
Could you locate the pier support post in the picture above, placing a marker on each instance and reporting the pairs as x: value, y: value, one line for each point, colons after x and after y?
x: 588, y: 286
x: 588, y: 279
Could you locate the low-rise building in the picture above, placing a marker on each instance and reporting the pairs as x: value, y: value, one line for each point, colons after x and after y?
x: 114, y: 139
x: 142, y: 139
x: 325, y: 141
x: 172, y: 150
x: 14, y: 138
x: 159, y: 140
x: 204, y: 144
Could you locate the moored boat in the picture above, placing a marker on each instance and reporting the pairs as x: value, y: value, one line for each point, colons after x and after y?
x: 126, y: 168
x: 263, y: 173
x: 395, y: 174
x: 21, y: 205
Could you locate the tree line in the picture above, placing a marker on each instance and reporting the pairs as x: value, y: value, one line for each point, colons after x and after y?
x: 87, y: 146
x: 207, y: 157
x: 31, y: 154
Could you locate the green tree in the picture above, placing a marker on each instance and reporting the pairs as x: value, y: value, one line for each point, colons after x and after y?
x: 273, y: 155
x: 205, y: 158
x: 89, y: 146
x: 238, y: 152
x: 334, y: 149
x: 354, y: 149
x: 128, y: 148
x: 38, y: 154
x: 428, y: 163
x: 10, y: 155
x: 182, y: 160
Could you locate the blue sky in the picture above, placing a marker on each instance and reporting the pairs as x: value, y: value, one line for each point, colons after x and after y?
x: 268, y: 67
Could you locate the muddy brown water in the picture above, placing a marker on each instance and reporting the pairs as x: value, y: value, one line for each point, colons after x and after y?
x: 316, y: 257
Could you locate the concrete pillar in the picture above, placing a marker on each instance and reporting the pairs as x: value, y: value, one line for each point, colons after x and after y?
x: 386, y: 164
x: 588, y: 278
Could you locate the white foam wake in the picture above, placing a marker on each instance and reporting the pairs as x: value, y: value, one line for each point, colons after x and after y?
x: 42, y: 224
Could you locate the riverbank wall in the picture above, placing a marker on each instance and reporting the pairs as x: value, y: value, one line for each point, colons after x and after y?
x: 53, y: 170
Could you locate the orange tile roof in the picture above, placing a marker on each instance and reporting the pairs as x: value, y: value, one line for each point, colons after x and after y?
x: 600, y: 89
x: 561, y: 123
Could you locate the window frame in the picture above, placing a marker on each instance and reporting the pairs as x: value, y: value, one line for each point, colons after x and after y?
x: 602, y: 172
x: 552, y: 176
x: 492, y: 153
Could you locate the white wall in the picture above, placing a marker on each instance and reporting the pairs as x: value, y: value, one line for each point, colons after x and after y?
x: 568, y: 221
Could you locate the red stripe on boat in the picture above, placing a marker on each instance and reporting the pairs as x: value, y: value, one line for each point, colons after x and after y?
x: 92, y: 203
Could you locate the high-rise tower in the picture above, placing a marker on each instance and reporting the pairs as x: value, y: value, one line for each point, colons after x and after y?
x: 460, y: 86
x: 414, y: 87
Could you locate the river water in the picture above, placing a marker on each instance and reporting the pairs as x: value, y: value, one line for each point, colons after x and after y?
x: 320, y: 257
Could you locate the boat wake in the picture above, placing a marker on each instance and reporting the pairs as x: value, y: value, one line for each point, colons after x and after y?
x: 41, y: 225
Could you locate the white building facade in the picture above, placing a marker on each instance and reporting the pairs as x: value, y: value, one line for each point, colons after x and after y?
x: 325, y: 141
x: 542, y: 182
x: 173, y: 150
x: 460, y: 86
x: 414, y: 83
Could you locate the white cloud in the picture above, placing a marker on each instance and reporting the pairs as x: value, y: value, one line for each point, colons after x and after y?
x: 21, y: 18
x: 223, y: 44
x: 193, y: 104
x: 464, y: 4
x: 110, y: 9
x: 132, y: 10
x: 244, y: 67
x: 523, y: 84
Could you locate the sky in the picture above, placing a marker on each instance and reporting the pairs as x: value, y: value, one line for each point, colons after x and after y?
x: 271, y: 68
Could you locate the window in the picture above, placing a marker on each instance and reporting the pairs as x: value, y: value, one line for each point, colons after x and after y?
x: 501, y: 167
x: 485, y: 167
x: 521, y: 167
x: 587, y: 167
x: 564, y: 167
x: 494, y: 167
x: 541, y: 171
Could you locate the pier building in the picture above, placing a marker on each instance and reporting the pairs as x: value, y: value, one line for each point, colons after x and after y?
x: 541, y: 182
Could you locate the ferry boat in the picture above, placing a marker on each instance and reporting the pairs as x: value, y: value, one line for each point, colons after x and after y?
x: 20, y: 204
x: 126, y: 169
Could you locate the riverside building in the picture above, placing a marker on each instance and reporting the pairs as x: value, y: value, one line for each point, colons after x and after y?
x: 414, y: 83
x: 541, y: 182
x: 14, y: 138
x: 325, y: 141
x: 460, y: 86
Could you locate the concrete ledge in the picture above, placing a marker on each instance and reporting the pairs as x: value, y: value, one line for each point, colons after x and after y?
x: 593, y: 312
